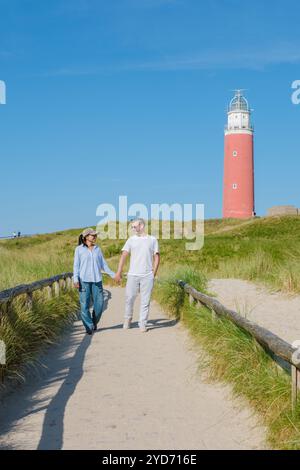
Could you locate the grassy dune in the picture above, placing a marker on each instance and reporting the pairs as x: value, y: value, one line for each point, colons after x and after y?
x: 266, y: 250
x: 26, y: 260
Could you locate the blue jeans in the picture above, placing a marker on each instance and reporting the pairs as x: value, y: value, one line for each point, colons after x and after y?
x: 90, y: 291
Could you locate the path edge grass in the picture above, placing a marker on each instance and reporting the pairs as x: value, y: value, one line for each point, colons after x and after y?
x: 26, y: 332
x: 230, y: 355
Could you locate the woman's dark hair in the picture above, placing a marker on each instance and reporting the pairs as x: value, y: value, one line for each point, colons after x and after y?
x: 81, y: 240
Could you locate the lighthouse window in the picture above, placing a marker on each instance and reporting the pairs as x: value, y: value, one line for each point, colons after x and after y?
x: 234, y: 186
x: 234, y: 153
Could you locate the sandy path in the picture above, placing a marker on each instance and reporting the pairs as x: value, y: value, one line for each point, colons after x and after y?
x: 125, y: 390
x: 277, y: 312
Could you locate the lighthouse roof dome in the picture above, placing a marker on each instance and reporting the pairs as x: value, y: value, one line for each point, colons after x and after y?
x: 238, y: 102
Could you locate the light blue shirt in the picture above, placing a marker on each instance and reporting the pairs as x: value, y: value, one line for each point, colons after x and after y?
x: 88, y: 264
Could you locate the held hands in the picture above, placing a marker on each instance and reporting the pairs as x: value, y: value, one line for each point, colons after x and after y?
x: 118, y: 278
x: 76, y: 285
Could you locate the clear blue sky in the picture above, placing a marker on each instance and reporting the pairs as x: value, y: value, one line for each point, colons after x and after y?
x: 114, y: 97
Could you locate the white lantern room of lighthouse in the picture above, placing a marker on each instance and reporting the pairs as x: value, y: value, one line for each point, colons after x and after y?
x: 239, y: 115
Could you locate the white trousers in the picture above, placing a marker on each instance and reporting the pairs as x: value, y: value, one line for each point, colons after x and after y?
x: 134, y: 285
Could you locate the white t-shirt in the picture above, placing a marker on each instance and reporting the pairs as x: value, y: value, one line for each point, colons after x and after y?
x: 142, y: 249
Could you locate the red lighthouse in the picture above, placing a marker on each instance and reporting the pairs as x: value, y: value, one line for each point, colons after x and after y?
x: 238, y: 195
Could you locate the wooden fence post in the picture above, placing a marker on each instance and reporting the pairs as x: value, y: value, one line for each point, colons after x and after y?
x: 49, y: 292
x: 214, y: 315
x: 29, y: 300
x: 56, y: 288
x: 2, y: 360
x: 61, y: 285
x: 5, y: 308
x: 69, y: 282
x: 295, y: 384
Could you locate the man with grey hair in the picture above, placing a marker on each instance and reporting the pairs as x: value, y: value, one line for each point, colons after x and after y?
x: 144, y: 262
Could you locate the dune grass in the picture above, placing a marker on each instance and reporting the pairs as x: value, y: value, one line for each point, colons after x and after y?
x: 230, y: 355
x: 266, y: 250
x: 26, y: 260
x: 26, y: 331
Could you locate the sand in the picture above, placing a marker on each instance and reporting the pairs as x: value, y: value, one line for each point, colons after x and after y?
x: 125, y: 390
x: 277, y: 312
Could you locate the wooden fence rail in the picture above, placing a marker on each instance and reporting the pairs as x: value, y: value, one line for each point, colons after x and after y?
x: 268, y: 340
x: 7, y: 296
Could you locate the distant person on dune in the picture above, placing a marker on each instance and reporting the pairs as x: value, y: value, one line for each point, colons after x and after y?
x: 87, y: 277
